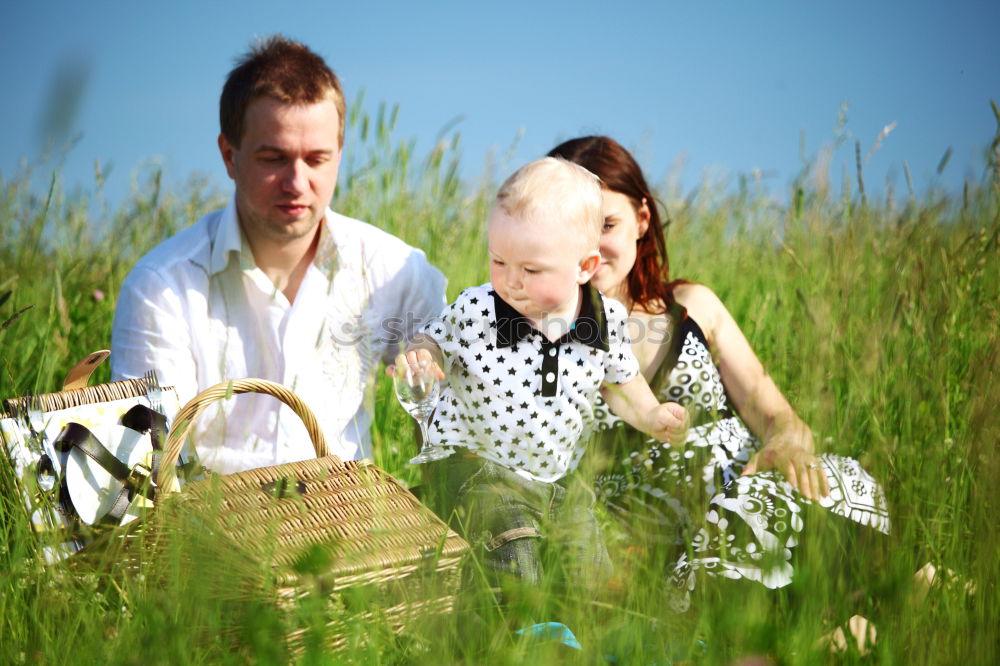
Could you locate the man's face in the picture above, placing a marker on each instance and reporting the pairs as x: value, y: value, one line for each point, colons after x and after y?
x: 285, y: 168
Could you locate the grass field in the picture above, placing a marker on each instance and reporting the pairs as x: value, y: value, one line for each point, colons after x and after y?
x: 876, y: 312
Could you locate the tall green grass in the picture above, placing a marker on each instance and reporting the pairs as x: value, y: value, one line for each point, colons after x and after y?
x: 878, y: 318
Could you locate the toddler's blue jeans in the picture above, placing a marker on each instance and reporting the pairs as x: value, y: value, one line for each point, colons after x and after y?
x: 519, y: 525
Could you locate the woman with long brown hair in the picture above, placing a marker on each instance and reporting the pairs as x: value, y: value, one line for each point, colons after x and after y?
x: 729, y: 502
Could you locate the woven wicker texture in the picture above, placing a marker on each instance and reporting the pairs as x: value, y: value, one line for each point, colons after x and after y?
x: 50, y: 402
x: 358, y: 523
x: 189, y: 412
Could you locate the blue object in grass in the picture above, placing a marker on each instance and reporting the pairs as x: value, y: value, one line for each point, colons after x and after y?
x: 551, y: 631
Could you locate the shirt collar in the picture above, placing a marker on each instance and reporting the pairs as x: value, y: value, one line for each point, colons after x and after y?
x: 589, y: 328
x: 230, y: 239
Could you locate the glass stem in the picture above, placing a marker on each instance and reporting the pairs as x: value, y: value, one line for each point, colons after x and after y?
x: 424, y: 437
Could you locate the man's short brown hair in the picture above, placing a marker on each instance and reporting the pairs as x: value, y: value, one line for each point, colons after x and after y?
x: 283, y: 70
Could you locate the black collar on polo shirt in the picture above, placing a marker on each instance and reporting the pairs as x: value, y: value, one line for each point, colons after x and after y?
x: 589, y: 328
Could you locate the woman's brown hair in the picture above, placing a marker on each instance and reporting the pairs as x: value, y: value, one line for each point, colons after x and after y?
x: 649, y: 285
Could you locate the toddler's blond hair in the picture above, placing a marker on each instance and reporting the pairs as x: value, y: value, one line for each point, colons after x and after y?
x: 552, y: 189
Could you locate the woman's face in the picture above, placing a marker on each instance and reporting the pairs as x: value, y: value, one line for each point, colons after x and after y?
x: 623, y: 227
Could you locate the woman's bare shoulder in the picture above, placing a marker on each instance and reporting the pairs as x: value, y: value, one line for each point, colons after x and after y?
x: 701, y: 304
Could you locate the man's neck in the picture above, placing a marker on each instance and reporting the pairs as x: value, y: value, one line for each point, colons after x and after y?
x: 285, y: 264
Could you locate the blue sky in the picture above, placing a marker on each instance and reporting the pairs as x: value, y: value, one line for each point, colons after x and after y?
x: 703, y: 88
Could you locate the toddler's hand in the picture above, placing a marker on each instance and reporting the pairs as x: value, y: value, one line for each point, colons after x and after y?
x: 669, y: 422
x: 417, y: 360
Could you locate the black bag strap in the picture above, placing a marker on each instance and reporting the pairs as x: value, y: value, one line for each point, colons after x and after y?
x: 144, y: 419
x: 74, y: 435
x: 119, y: 507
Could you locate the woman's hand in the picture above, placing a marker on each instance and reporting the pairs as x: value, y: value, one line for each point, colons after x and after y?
x: 788, y: 441
x: 791, y: 453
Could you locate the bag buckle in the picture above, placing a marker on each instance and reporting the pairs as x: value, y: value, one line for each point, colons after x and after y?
x: 139, y: 476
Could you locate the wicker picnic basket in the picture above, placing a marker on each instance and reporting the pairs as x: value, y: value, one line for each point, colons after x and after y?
x: 367, y: 533
x: 49, y: 442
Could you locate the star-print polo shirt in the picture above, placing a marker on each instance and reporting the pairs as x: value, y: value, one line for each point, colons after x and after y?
x: 514, y: 397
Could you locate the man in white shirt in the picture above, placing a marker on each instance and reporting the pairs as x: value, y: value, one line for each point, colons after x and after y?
x: 276, y: 285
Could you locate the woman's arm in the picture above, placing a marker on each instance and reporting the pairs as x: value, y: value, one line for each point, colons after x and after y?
x: 788, y: 441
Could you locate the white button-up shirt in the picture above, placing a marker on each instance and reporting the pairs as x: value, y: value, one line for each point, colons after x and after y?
x: 198, y: 311
x: 516, y: 398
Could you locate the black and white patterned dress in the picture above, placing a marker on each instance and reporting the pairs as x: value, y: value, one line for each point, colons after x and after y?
x: 693, y: 497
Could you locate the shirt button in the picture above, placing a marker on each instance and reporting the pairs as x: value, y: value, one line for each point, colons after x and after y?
x: 552, y: 351
x: 550, y: 377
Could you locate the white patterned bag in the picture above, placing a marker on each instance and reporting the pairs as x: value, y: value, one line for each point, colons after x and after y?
x: 82, y: 457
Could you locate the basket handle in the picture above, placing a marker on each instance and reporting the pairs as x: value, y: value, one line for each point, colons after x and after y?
x: 167, y: 477
x: 79, y: 376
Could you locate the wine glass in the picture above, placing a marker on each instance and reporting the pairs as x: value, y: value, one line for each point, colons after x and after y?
x: 417, y: 391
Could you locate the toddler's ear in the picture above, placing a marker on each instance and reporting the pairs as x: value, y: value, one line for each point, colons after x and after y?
x: 588, y: 266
